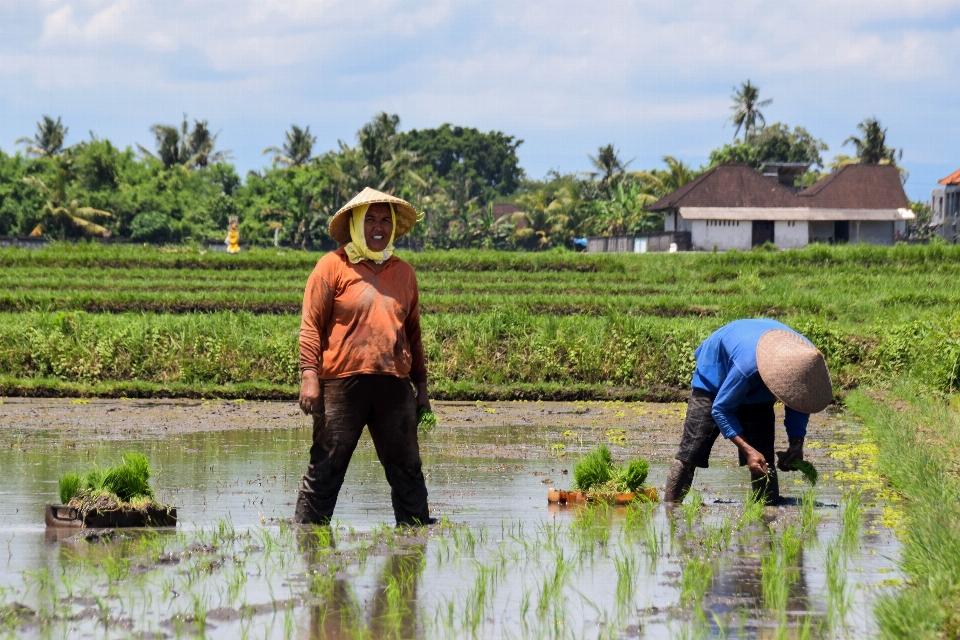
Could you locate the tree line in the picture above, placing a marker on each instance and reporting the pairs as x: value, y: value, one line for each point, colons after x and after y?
x: 185, y: 188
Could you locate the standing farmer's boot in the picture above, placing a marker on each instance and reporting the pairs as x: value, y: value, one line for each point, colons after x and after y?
x: 679, y: 481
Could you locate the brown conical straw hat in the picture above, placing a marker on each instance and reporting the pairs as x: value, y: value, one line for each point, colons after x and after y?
x: 340, y: 223
x: 794, y: 371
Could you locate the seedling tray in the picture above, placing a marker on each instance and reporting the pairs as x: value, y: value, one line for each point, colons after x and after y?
x: 559, y: 496
x: 65, y: 517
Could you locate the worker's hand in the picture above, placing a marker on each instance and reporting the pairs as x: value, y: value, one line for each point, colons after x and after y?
x: 794, y: 453
x: 755, y: 460
x: 423, y: 400
x: 310, y: 393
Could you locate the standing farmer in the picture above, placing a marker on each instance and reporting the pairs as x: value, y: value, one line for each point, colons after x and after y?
x: 742, y: 368
x: 360, y: 356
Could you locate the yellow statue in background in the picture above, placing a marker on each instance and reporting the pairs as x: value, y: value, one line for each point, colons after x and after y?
x: 233, y: 236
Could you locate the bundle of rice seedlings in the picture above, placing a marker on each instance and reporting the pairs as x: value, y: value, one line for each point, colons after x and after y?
x: 127, y: 481
x: 631, y: 477
x: 426, y: 418
x: 807, y: 469
x: 594, y: 469
x: 69, y: 485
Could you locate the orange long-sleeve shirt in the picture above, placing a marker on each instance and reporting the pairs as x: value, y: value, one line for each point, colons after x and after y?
x: 356, y: 320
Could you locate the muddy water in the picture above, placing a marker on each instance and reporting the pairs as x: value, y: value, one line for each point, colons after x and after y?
x: 504, y: 564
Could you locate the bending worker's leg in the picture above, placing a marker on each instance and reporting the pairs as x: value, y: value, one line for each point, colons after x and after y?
x: 759, y: 430
x: 336, y: 430
x: 393, y: 427
x: 699, y: 434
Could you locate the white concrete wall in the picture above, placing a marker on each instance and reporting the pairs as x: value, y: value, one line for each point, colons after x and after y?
x: 722, y: 234
x: 792, y: 234
x: 871, y: 232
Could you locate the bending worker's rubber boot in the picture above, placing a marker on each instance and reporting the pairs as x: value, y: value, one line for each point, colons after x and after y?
x: 766, y: 486
x: 679, y: 481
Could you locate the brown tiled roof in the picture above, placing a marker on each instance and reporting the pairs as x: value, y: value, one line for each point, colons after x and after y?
x: 738, y: 185
x: 857, y: 186
x: 953, y: 178
x: 728, y: 185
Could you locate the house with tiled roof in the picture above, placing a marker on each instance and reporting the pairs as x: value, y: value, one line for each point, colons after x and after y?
x: 733, y: 206
x: 945, y: 207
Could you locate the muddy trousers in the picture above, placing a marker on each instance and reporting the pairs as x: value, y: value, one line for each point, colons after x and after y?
x: 387, y: 406
x: 700, y: 431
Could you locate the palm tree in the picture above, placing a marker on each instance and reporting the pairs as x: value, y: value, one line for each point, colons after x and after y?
x: 608, y: 164
x: 660, y: 182
x: 48, y: 141
x: 872, y: 148
x: 183, y: 147
x: 57, y: 209
x: 746, y: 108
x: 297, y: 150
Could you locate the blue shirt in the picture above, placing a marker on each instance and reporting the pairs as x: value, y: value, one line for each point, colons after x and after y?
x: 727, y: 367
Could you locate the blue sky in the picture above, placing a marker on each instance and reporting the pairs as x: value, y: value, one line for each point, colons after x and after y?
x: 566, y: 76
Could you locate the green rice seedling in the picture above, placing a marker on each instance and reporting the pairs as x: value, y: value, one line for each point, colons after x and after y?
x: 593, y: 469
x: 626, y: 566
x: 838, y: 596
x: 717, y: 538
x: 809, y: 517
x: 695, y: 579
x: 426, y: 419
x: 774, y: 579
x: 634, y: 474
x: 851, y: 517
x: 691, y: 507
x: 69, y: 485
x: 752, y: 512
x: 653, y: 544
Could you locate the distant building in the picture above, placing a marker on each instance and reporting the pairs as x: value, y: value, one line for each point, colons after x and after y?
x: 732, y: 206
x: 945, y: 207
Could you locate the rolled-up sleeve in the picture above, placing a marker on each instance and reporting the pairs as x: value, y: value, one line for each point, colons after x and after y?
x: 317, y: 304
x: 411, y: 326
x: 795, y: 422
x: 735, y: 388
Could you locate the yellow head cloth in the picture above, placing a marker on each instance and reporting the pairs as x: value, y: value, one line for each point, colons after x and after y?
x: 357, y: 249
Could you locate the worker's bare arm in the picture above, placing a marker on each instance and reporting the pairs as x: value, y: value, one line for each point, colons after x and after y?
x: 310, y: 392
x: 755, y: 461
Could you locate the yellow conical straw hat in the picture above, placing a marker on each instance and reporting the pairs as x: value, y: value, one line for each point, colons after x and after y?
x: 340, y: 222
x: 794, y: 370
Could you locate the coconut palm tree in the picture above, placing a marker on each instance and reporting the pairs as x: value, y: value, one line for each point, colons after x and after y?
x: 608, y: 164
x: 746, y: 108
x: 68, y: 213
x: 871, y: 148
x: 297, y: 150
x: 660, y: 182
x: 48, y: 140
x: 183, y: 147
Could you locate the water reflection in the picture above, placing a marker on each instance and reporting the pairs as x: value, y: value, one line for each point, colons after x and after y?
x: 393, y: 609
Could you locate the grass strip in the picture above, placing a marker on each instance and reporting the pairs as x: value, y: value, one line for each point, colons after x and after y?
x: 918, y: 435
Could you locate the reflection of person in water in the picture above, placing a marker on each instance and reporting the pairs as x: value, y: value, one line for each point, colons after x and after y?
x: 391, y: 613
x: 361, y: 355
x: 742, y: 368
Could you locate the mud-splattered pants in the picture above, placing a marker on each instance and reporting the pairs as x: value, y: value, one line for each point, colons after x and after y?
x: 387, y: 406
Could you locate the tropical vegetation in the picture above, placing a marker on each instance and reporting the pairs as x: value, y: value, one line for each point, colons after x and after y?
x: 459, y: 178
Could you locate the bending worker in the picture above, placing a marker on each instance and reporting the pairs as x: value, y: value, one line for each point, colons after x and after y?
x: 360, y: 357
x: 742, y: 368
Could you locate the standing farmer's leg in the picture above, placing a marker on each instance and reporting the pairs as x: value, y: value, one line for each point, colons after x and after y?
x: 759, y: 431
x: 393, y: 427
x: 699, y: 433
x: 336, y: 430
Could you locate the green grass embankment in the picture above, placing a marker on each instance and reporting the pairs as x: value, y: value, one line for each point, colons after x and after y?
x: 918, y: 436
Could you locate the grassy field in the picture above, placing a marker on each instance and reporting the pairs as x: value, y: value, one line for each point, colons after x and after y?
x: 143, y: 321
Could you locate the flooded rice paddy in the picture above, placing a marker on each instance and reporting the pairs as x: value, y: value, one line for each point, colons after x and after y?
x: 502, y: 563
